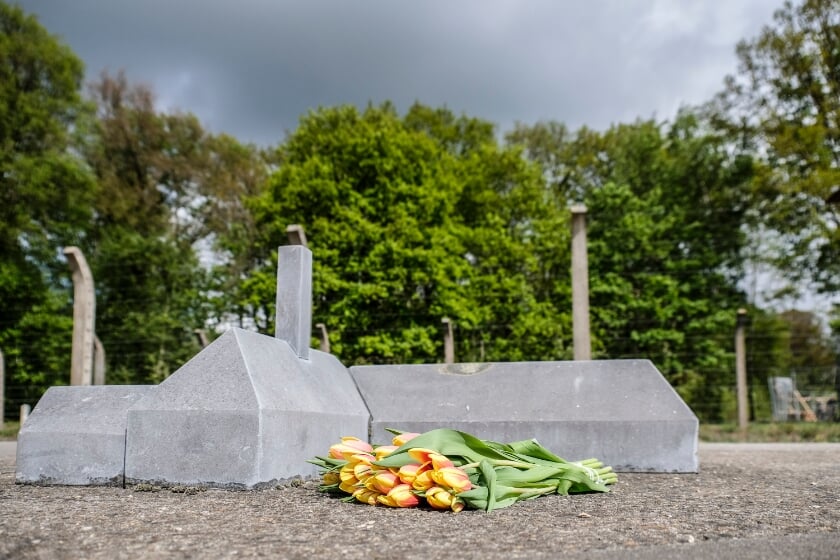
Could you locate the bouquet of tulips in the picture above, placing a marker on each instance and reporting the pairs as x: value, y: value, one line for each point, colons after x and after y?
x: 451, y: 470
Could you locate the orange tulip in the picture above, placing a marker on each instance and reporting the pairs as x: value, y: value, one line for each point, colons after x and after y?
x: 367, y: 496
x: 423, y: 481
x: 385, y: 481
x: 408, y: 473
x: 400, y: 496
x: 362, y: 471
x: 361, y: 458
x: 439, y: 498
x: 349, y: 446
x: 383, y: 451
x: 402, y: 438
x: 452, y: 478
x: 457, y: 504
x: 440, y: 461
x: 421, y: 454
x: 347, y: 474
x: 349, y: 487
x: 348, y: 479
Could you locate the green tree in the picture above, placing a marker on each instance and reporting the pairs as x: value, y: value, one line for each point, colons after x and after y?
x: 665, y: 214
x: 410, y: 220
x: 784, y: 104
x: 234, y: 174
x: 45, y: 196
x: 170, y: 193
x: 151, y: 286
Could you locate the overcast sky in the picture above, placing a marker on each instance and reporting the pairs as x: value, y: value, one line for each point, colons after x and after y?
x: 251, y: 68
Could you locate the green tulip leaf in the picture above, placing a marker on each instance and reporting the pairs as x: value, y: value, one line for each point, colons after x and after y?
x: 452, y: 443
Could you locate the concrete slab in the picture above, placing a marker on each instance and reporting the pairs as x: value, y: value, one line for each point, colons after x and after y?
x: 623, y: 412
x: 244, y: 412
x: 76, y: 436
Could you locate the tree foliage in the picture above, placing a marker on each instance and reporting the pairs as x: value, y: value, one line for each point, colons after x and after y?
x: 419, y: 216
x: 45, y: 195
x: 412, y: 220
x: 784, y: 105
x: 168, y: 190
x: 663, y: 280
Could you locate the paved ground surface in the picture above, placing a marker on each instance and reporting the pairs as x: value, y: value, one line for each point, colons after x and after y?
x: 749, y: 501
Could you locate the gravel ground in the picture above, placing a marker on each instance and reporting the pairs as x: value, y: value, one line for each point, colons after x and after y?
x: 782, y: 499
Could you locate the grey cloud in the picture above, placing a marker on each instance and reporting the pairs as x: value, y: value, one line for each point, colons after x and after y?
x: 252, y: 67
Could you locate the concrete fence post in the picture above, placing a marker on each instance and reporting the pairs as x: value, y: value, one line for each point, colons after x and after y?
x: 293, y: 321
x: 296, y: 234
x: 580, y: 286
x: 201, y: 337
x: 2, y: 389
x: 741, y: 369
x: 84, y: 317
x: 98, y: 361
x: 448, y: 342
x: 325, y: 337
x: 25, y: 409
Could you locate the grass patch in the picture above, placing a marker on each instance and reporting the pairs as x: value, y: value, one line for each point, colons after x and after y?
x: 772, y: 432
x: 9, y: 431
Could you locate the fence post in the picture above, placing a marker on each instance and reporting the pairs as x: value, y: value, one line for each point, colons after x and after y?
x: 448, y: 342
x: 325, y: 337
x: 84, y: 317
x: 296, y: 235
x: 98, y: 361
x: 741, y: 369
x: 25, y: 409
x: 201, y: 337
x: 580, y: 286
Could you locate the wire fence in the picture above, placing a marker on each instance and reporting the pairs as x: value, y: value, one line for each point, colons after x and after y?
x: 815, y: 397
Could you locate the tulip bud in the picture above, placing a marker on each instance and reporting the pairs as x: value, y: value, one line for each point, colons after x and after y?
x: 401, y: 439
x: 348, y: 479
x: 331, y: 478
x: 440, y: 498
x: 423, y: 481
x: 457, y: 504
x: 349, y: 445
x: 385, y: 481
x: 366, y: 496
x: 408, y: 473
x: 383, y: 451
x: 440, y: 461
x: 421, y: 454
x: 362, y: 471
x: 364, y: 458
x: 453, y: 479
x: 402, y: 496
x: 349, y: 487
x: 386, y: 501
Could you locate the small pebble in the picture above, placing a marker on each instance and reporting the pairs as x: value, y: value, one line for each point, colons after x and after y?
x: 685, y: 539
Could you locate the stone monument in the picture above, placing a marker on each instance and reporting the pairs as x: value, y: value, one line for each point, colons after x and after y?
x: 248, y: 410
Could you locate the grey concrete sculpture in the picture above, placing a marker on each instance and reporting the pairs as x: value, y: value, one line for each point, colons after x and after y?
x: 76, y: 435
x: 244, y: 412
x: 248, y: 410
x: 620, y: 411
